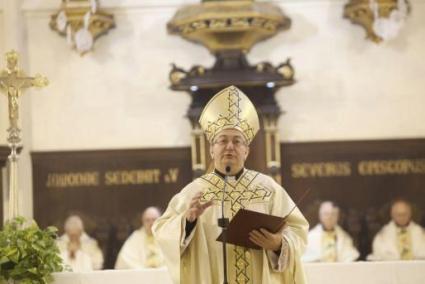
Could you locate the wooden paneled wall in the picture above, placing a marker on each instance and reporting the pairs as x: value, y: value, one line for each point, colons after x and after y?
x: 362, y: 177
x: 109, y: 188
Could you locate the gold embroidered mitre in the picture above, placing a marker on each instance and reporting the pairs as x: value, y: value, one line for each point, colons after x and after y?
x: 230, y: 108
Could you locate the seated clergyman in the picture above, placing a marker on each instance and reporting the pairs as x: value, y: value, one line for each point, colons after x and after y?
x: 328, y: 242
x: 401, y: 238
x: 140, y: 250
x: 79, y: 251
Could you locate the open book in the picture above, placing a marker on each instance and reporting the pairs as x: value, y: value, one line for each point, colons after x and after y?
x: 246, y: 221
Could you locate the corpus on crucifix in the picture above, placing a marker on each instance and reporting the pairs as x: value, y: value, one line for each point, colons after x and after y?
x: 12, y: 82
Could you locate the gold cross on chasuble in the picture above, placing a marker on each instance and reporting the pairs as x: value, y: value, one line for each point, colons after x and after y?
x: 239, y: 193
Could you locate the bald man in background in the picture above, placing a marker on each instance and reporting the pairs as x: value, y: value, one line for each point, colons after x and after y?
x: 140, y: 250
x: 79, y: 252
x: 401, y: 238
x: 328, y: 242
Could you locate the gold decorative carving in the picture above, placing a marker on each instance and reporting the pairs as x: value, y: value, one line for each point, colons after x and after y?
x: 273, y: 157
x: 81, y: 22
x: 225, y: 25
x: 286, y: 70
x: 199, y: 163
x: 366, y: 13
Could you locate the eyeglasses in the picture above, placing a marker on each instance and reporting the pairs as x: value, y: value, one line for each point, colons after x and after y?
x: 237, y: 142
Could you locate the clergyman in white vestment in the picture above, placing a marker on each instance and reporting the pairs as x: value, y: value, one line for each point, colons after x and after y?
x: 79, y: 251
x: 140, y: 250
x: 401, y: 238
x: 188, y: 229
x: 328, y: 242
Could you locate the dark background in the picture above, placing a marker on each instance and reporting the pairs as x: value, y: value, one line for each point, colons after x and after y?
x: 111, y: 212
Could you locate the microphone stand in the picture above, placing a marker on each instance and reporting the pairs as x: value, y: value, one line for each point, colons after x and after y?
x: 223, y: 223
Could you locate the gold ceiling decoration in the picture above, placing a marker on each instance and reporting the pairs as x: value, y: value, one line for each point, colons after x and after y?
x: 382, y: 19
x: 228, y: 25
x: 81, y: 22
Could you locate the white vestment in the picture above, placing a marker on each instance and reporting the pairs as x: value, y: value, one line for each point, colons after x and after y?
x: 139, y: 251
x: 385, y: 242
x: 80, y: 263
x: 89, y: 250
x: 197, y: 258
x: 345, y: 250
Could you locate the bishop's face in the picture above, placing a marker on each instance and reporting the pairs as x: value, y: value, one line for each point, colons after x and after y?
x: 229, y: 148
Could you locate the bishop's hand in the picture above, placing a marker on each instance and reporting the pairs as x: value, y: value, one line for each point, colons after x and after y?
x: 196, y: 208
x: 267, y: 240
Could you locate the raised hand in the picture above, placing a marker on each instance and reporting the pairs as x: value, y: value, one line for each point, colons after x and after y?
x: 196, y: 208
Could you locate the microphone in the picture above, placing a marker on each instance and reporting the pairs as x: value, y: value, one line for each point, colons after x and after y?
x: 227, y: 169
x: 223, y: 223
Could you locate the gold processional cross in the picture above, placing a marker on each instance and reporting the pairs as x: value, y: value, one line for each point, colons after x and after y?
x: 12, y: 82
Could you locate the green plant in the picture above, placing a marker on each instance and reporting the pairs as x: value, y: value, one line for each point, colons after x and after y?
x: 28, y: 254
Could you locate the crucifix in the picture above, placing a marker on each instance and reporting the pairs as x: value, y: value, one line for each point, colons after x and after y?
x: 12, y: 82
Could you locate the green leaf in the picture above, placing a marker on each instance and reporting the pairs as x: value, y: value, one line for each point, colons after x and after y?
x: 33, y: 270
x: 28, y: 254
x: 3, y: 259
